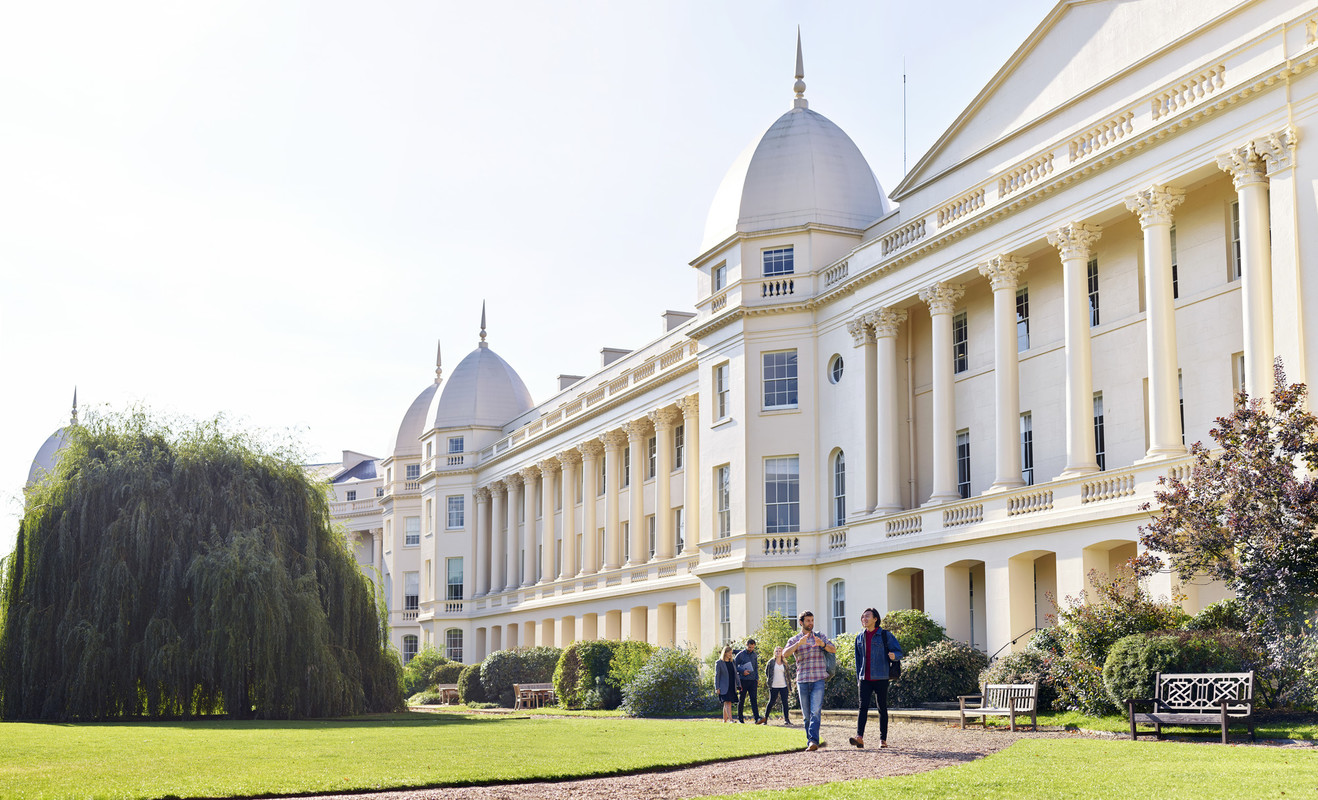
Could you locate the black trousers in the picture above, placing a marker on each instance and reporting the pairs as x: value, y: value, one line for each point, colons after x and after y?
x: 780, y: 695
x: 749, y: 688
x: 879, y: 688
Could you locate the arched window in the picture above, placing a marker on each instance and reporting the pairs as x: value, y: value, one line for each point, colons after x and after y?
x: 837, y: 605
x: 453, y: 644
x: 780, y: 598
x: 409, y: 648
x: 839, y: 490
x: 725, y: 615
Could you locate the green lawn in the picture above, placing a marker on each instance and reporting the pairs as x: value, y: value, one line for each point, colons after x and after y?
x: 1119, y: 724
x: 1084, y: 768
x: 219, y: 759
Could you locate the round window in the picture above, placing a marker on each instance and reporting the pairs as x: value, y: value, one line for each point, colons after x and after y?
x: 835, y: 369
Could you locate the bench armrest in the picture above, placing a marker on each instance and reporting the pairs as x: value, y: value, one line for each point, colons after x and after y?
x: 962, y: 698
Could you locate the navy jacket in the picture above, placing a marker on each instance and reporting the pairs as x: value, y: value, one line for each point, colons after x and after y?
x: 723, y: 676
x: 889, y: 643
x: 747, y: 660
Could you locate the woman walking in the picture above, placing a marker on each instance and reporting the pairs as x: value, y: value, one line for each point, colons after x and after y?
x: 875, y: 650
x: 725, y: 682
x: 776, y: 674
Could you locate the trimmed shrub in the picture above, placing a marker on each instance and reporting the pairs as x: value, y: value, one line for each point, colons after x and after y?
x: 668, y: 683
x: 938, y: 673
x: 1134, y: 661
x: 426, y: 698
x: 418, y: 674
x: 539, y: 663
x: 1028, y: 666
x: 470, y: 689
x: 1226, y: 614
x: 447, y: 673
x: 499, y: 671
x: 629, y: 658
x: 913, y: 629
x: 582, y: 675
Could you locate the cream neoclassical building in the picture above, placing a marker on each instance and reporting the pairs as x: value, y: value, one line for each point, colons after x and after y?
x: 953, y: 397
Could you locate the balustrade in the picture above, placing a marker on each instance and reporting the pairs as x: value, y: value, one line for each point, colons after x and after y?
x: 1100, y: 137
x: 1025, y: 175
x: 1108, y: 487
x: 779, y: 287
x: 966, y: 514
x: 960, y: 207
x: 1188, y: 93
x: 1030, y: 502
x: 782, y: 546
x: 905, y: 525
x: 640, y: 575
x: 835, y: 274
x: 902, y: 237
x: 837, y: 540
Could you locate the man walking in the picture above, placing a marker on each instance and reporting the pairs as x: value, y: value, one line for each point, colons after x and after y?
x: 748, y: 676
x: 811, y: 673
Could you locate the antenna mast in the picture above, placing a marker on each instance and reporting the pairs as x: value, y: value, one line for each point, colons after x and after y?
x: 903, y: 116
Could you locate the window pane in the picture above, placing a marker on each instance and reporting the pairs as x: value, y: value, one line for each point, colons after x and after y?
x: 782, y: 495
x: 780, y: 379
x: 960, y: 343
x: 779, y: 262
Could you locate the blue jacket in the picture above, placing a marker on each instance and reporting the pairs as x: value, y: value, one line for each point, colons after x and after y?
x: 889, y: 643
x: 747, y: 660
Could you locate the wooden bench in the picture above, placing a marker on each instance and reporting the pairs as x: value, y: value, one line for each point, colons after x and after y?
x: 448, y: 693
x: 1209, y: 698
x: 533, y: 695
x: 1002, y: 700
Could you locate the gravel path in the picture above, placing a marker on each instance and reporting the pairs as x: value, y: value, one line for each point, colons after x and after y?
x: 912, y: 748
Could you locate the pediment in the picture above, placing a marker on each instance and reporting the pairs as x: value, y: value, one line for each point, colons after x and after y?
x: 1080, y: 45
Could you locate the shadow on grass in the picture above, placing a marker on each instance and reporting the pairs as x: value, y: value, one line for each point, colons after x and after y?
x: 395, y: 720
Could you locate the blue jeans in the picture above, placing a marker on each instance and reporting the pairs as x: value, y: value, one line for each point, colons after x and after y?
x: 811, y: 694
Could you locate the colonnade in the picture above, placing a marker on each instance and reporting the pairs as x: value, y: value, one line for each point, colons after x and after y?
x: 511, y: 551
x: 657, y: 624
x: 1252, y: 167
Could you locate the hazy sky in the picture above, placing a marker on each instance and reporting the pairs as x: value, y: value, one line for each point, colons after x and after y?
x: 274, y: 209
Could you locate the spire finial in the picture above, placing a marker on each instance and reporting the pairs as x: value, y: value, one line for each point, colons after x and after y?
x: 439, y: 360
x: 483, y: 344
x: 73, y: 420
x: 799, y: 88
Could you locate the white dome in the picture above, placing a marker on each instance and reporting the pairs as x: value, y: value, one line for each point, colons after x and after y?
x: 483, y: 391
x: 47, y: 456
x: 407, y: 442
x: 803, y: 169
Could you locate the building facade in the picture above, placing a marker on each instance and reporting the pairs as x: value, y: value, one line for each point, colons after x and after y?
x: 954, y: 397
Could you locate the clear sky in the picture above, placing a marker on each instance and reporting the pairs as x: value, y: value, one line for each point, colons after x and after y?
x: 274, y: 210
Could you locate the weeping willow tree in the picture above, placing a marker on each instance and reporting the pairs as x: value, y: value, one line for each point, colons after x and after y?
x: 163, y: 573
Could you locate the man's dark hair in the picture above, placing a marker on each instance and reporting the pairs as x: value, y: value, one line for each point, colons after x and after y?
x: 874, y: 612
x: 750, y: 642
x: 805, y: 614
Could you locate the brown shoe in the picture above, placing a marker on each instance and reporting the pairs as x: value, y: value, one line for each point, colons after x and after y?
x: 883, y: 745
x: 857, y: 741
x: 812, y: 747
x: 762, y: 721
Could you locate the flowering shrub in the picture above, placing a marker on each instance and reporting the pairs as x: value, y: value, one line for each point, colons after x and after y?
x: 629, y: 658
x: 1226, y: 614
x: 938, y: 673
x: 592, y: 674
x: 668, y: 683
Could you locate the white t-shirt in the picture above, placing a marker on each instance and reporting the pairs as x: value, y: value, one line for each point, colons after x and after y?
x: 779, y: 677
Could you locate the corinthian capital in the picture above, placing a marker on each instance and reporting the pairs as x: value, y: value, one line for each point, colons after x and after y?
x: 572, y: 455
x: 1277, y: 149
x: 860, y: 331
x: 590, y: 449
x: 529, y: 474
x: 1075, y: 240
x: 482, y: 494
x: 665, y: 418
x: 614, y: 439
x: 885, y: 321
x: 1003, y: 271
x: 1154, y: 205
x: 548, y: 466
x: 1244, y: 165
x: 637, y: 429
x: 942, y: 297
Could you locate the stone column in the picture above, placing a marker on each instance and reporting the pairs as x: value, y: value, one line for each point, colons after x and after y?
x: 474, y: 582
x: 886, y: 322
x: 690, y: 408
x: 1154, y: 207
x: 613, y: 441
x: 1003, y: 273
x: 590, y: 556
x: 1289, y: 336
x: 1074, y: 242
x: 942, y: 299
x: 638, y: 434
x: 529, y: 475
x: 377, y: 554
x: 569, y: 459
x: 1248, y: 173
x: 513, y: 541
x: 548, y: 537
x: 498, y: 536
x: 664, y: 419
x: 862, y: 336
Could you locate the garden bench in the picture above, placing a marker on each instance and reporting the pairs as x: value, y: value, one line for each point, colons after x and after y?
x: 448, y: 692
x: 533, y: 695
x: 1209, y: 698
x: 1002, y: 700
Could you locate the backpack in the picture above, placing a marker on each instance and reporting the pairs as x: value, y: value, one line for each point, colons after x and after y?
x: 830, y: 664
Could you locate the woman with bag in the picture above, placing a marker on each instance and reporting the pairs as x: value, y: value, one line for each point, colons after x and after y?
x: 878, y: 659
x: 725, y: 682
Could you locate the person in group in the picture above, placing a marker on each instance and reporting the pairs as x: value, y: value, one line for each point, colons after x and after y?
x: 748, y: 675
x: 811, y: 673
x: 876, y: 649
x: 776, y: 674
x: 725, y: 682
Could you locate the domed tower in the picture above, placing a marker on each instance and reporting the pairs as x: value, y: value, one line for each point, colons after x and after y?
x: 48, y: 454
x: 483, y: 392
x: 802, y: 189
x: 407, y: 441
